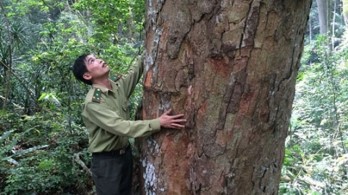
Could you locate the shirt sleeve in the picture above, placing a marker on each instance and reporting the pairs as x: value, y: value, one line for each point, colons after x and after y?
x: 107, y: 119
x: 132, y: 78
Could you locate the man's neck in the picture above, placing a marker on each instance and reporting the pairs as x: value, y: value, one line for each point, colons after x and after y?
x: 104, y: 82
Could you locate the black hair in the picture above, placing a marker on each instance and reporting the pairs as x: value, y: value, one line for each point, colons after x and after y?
x: 79, y: 68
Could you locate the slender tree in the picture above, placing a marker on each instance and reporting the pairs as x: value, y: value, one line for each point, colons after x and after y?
x: 231, y: 67
x: 345, y: 10
x: 323, y: 14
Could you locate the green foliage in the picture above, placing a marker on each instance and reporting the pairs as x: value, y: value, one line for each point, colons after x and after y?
x: 106, y: 20
x: 40, y: 125
x: 37, y: 157
x: 316, y: 155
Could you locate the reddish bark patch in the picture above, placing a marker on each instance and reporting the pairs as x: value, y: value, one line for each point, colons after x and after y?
x: 220, y: 66
x: 240, y: 64
x: 148, y: 78
x: 264, y: 114
x: 223, y: 137
x: 174, y: 150
x: 203, y: 109
x: 248, y: 100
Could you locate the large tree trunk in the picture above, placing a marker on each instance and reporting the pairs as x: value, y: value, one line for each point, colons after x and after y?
x: 230, y: 66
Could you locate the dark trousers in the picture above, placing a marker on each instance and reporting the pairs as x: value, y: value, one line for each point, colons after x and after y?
x: 112, y: 172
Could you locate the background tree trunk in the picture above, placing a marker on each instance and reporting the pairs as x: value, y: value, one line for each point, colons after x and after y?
x: 345, y: 10
x: 323, y: 14
x: 230, y: 67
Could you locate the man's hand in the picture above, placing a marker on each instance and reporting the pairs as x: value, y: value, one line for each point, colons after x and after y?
x: 172, y: 121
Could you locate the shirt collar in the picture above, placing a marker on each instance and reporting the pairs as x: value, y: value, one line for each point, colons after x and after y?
x: 105, y: 89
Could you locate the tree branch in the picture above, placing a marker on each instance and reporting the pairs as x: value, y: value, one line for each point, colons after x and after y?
x: 81, y: 163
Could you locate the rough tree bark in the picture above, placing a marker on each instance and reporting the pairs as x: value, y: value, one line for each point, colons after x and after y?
x: 230, y: 66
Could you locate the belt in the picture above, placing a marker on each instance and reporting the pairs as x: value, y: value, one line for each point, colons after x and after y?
x: 113, y: 152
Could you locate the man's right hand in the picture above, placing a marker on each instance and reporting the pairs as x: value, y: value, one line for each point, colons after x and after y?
x: 172, y: 121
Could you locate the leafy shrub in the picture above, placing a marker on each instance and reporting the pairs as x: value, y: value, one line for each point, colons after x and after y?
x: 40, y: 159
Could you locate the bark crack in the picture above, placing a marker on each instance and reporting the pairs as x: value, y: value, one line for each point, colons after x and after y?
x: 177, y: 37
x: 226, y: 102
x: 251, y: 24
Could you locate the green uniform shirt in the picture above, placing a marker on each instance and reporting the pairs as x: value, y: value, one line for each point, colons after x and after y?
x: 106, y: 114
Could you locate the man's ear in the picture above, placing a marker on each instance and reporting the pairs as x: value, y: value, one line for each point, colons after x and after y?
x: 87, y: 76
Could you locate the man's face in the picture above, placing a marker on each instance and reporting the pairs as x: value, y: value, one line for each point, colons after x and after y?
x: 96, y: 67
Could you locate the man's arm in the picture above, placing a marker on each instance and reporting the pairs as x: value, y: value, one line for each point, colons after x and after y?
x: 132, y: 78
x: 107, y: 119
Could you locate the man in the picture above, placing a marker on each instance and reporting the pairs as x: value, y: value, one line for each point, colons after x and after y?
x: 106, y: 117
